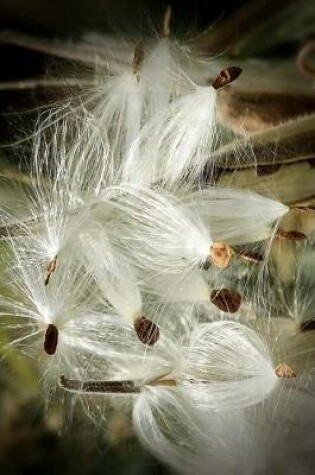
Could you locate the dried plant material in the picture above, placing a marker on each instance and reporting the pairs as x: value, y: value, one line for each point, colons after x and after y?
x: 296, y: 137
x: 235, y: 27
x: 83, y: 53
x: 266, y: 170
x: 292, y: 183
x: 308, y: 210
x: 221, y: 254
x: 290, y: 235
x: 147, y: 331
x: 251, y: 256
x: 302, y: 59
x: 226, y: 300
x: 102, y: 387
x: 47, y: 83
x: 226, y: 76
x: 167, y: 22
x: 281, y: 22
x: 254, y: 111
x: 50, y: 268
x: 164, y: 381
x: 51, y: 339
x: 307, y: 326
x: 285, y: 371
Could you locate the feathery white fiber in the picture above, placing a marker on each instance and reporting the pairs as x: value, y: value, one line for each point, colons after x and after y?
x: 112, y: 273
x: 236, y: 216
x: 192, y: 440
x: 44, y: 317
x: 117, y: 281
x: 175, y: 143
x: 66, y: 178
x: 228, y: 366
x: 162, y: 237
x: 119, y: 107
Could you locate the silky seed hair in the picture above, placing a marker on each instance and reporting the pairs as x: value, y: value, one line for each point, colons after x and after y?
x: 160, y: 266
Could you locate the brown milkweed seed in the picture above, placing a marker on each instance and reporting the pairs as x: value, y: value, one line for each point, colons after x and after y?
x: 290, y: 235
x: 51, y: 339
x: 226, y: 76
x: 147, y: 331
x: 226, y: 300
x: 251, y: 256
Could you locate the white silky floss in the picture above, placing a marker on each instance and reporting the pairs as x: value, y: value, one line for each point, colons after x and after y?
x: 176, y: 142
x: 117, y: 281
x: 236, y: 216
x: 45, y: 317
x: 65, y: 181
x: 229, y: 367
x: 161, y: 236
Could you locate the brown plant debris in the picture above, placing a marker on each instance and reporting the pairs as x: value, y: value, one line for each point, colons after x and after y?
x: 285, y: 371
x: 221, y: 254
x: 50, y: 268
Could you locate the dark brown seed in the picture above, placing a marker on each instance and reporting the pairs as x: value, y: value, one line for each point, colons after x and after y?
x: 251, y: 256
x: 51, y: 339
x: 226, y: 300
x: 307, y: 326
x: 148, y: 333
x: 290, y: 235
x: 226, y: 76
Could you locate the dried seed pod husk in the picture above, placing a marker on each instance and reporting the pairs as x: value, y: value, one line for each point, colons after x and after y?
x: 255, y: 111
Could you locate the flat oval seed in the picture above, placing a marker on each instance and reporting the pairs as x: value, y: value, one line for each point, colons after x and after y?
x: 226, y: 76
x: 290, y: 235
x: 226, y: 300
x: 51, y: 339
x: 148, y: 333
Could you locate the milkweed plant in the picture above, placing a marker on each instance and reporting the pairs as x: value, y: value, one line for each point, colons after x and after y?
x: 160, y: 261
